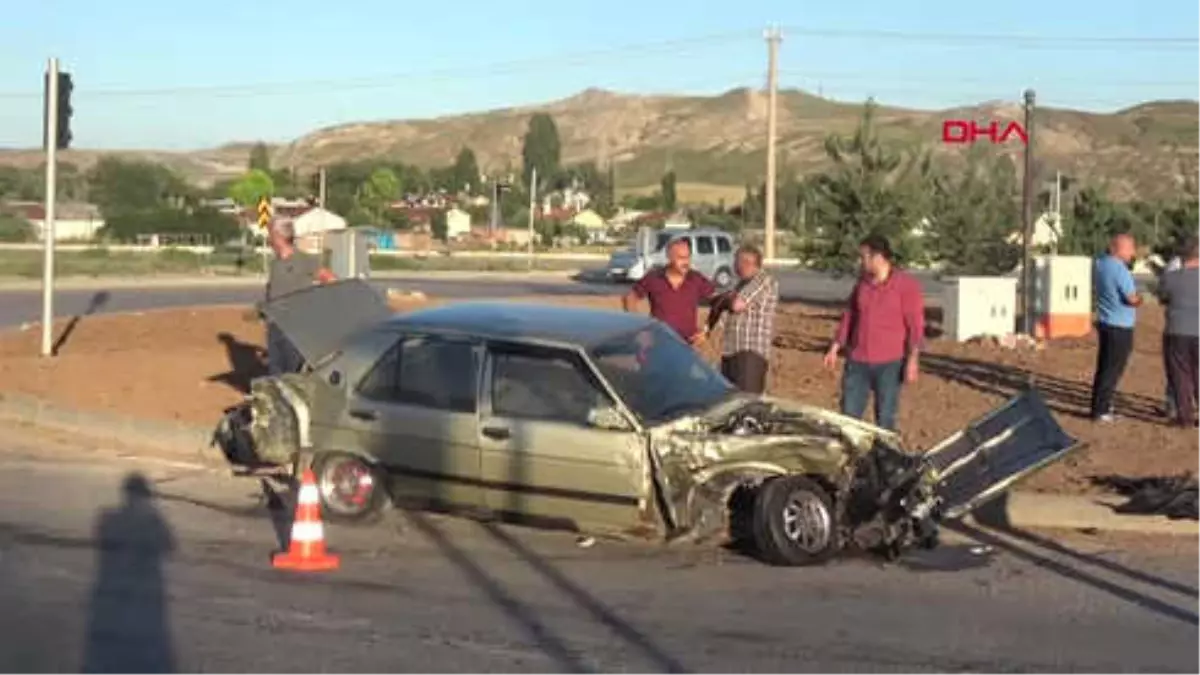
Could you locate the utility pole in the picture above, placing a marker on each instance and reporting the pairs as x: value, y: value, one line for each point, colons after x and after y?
x: 1027, y: 196
x: 773, y: 38
x: 51, y: 123
x: 321, y: 187
x: 532, y: 206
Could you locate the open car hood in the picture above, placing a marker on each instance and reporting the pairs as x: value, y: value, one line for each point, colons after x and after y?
x: 318, y: 319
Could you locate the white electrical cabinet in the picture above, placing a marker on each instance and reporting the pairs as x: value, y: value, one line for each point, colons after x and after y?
x: 1063, y: 295
x: 979, y: 306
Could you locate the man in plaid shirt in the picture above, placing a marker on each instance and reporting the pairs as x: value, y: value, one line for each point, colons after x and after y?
x: 750, y: 329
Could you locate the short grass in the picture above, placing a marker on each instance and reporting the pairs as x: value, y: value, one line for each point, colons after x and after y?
x: 695, y: 193
x: 101, y: 262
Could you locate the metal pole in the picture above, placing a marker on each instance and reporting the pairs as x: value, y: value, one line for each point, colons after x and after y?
x: 321, y: 187
x: 48, y: 222
x: 532, y: 205
x: 773, y: 37
x: 1027, y: 290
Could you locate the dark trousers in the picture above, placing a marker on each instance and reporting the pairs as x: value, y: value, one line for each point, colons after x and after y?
x: 1180, y: 356
x: 1116, y: 344
x: 746, y: 370
x: 1169, y: 392
x: 860, y: 380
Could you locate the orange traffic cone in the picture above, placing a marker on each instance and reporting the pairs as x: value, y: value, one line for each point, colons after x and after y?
x: 306, y: 551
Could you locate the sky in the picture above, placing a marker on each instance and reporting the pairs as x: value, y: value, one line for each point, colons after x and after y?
x: 185, y: 75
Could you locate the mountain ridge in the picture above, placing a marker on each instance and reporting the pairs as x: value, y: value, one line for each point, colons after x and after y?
x: 1145, y: 150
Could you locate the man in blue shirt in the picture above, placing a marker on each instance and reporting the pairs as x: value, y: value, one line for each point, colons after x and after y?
x: 1117, y: 301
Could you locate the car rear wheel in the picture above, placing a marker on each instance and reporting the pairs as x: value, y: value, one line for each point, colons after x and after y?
x: 350, y: 488
x: 794, y: 522
x: 723, y: 278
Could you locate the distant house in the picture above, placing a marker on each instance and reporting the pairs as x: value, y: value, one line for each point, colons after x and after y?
x: 590, y: 221
x: 72, y: 221
x: 458, y: 223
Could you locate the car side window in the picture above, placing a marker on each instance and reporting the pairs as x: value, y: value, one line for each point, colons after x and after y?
x: 534, y: 383
x: 427, y: 372
x: 723, y: 245
x: 704, y: 245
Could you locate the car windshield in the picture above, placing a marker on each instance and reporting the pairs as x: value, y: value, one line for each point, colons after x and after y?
x: 658, y: 375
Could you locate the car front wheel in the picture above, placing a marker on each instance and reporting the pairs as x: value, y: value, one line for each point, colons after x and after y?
x: 723, y: 278
x: 794, y: 522
x: 351, y: 489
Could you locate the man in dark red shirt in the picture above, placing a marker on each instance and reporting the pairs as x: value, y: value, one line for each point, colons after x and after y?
x: 881, y: 333
x: 675, y: 292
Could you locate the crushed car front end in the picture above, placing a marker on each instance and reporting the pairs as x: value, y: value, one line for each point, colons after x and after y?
x: 801, y: 483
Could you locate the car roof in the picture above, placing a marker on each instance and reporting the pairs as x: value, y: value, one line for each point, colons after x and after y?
x: 523, y: 321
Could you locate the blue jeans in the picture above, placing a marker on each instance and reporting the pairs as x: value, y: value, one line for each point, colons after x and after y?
x: 859, y: 380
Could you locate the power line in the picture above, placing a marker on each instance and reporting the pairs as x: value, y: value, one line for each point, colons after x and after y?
x: 1046, y: 41
x: 684, y: 45
x: 949, y: 79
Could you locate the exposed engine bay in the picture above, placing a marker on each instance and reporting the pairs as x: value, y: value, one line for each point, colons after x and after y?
x: 884, y: 499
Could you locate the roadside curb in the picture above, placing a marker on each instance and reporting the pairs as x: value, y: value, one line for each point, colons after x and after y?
x: 199, y: 281
x: 191, y: 443
x: 180, y: 441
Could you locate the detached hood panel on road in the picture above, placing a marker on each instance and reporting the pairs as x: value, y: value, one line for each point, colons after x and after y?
x: 318, y: 320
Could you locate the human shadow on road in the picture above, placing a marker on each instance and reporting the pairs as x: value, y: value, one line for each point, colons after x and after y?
x: 246, y: 362
x: 663, y: 662
x: 128, y: 625
x: 553, y: 646
x: 99, y: 300
x: 1041, y: 549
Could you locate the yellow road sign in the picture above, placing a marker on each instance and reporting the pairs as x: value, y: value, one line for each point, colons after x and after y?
x: 264, y: 212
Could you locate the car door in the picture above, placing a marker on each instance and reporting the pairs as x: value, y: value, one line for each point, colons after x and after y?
x: 544, y: 456
x: 416, y: 411
x: 704, y: 257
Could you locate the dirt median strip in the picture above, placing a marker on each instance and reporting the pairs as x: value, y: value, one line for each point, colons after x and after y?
x: 185, y: 366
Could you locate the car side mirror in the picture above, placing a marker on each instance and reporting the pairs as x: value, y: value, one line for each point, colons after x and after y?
x: 609, y: 418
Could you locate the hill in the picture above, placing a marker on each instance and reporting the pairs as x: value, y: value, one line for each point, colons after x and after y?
x: 721, y: 140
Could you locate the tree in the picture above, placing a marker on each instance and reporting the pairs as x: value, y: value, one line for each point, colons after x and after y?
x: 541, y: 148
x: 254, y: 185
x: 14, y: 229
x: 376, y: 195
x: 974, y: 212
x: 466, y: 172
x: 260, y: 158
x: 119, y: 186
x: 868, y: 190
x: 669, y: 197
x: 1091, y: 220
x: 438, y: 226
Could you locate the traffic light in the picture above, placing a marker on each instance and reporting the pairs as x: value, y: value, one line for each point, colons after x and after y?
x: 65, y: 86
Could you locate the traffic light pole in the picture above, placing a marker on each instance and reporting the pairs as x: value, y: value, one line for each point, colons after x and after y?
x: 48, y: 220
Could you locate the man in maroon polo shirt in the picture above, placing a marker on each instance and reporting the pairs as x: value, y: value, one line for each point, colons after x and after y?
x: 675, y: 292
x: 881, y: 333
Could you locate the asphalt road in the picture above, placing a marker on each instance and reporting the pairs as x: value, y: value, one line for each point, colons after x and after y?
x: 22, y: 306
x: 93, y: 579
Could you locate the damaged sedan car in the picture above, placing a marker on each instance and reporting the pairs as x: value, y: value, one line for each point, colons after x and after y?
x: 603, y: 422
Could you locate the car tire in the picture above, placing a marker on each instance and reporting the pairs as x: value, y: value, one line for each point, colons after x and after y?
x: 723, y: 278
x: 795, y: 523
x: 351, y: 489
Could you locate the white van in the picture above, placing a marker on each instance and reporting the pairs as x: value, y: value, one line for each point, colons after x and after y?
x: 712, y: 254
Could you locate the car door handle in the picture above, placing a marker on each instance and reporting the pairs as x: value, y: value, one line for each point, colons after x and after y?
x: 496, y: 433
x: 365, y: 415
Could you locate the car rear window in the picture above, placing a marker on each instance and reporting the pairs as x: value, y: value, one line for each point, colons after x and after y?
x: 723, y: 245
x: 704, y: 245
x: 425, y: 372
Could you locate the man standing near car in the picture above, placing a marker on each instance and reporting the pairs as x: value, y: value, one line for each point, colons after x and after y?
x: 1117, y: 301
x: 880, y: 333
x: 750, y: 326
x: 1179, y: 290
x: 675, y: 293
x: 290, y: 271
